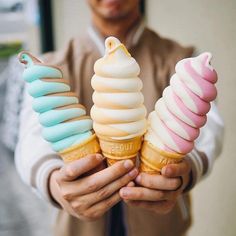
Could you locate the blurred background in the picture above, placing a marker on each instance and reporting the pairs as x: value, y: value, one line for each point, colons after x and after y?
x: 42, y: 25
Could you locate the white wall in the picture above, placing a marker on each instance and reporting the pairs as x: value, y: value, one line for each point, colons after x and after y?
x: 70, y: 19
x: 210, y: 26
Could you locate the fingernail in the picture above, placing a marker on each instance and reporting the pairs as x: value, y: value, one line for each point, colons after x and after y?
x: 100, y: 157
x: 124, y: 192
x: 128, y: 164
x: 133, y: 173
x: 70, y: 171
x: 138, y: 179
x: 167, y: 171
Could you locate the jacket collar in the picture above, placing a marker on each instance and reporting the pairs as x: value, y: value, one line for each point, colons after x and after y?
x: 132, y: 39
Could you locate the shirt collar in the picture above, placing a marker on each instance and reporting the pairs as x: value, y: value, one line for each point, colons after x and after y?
x: 132, y: 38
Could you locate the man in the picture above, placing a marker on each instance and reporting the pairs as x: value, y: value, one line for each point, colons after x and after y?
x: 85, y: 190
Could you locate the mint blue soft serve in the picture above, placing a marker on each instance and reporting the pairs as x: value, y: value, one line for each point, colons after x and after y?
x: 51, y: 101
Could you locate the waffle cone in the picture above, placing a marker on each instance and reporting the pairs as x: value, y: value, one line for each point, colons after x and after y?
x: 152, y: 159
x: 117, y: 150
x: 83, y: 149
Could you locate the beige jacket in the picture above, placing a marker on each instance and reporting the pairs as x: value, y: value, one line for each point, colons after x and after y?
x: 157, y: 57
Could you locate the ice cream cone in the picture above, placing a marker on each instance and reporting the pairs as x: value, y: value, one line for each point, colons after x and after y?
x: 81, y: 150
x: 64, y: 121
x: 179, y: 114
x: 152, y: 159
x: 118, y: 113
x: 117, y: 150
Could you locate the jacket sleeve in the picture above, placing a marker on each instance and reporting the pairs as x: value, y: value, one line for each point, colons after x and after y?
x: 208, y: 146
x: 34, y: 157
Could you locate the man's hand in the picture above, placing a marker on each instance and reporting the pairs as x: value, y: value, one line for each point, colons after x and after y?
x: 158, y: 193
x: 89, y: 197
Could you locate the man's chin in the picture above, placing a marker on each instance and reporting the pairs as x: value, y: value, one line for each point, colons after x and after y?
x: 113, y: 15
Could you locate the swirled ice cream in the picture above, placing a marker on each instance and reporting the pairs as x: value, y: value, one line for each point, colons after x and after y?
x: 64, y: 120
x: 118, y: 110
x: 181, y: 111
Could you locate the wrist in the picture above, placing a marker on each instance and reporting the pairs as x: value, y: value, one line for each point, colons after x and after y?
x: 189, y: 182
x: 53, y: 188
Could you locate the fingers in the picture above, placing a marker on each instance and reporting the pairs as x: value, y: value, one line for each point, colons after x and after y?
x: 110, y: 189
x: 98, y: 180
x: 92, y: 205
x: 158, y: 182
x: 76, y: 168
x: 176, y: 170
x: 145, y: 194
x: 96, y: 169
x: 130, y: 184
x: 139, y: 193
x: 97, y: 210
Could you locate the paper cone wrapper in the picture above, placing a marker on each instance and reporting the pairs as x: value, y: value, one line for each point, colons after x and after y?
x: 117, y: 150
x: 152, y: 159
x: 83, y: 149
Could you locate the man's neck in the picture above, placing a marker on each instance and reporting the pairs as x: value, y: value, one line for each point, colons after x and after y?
x: 118, y: 28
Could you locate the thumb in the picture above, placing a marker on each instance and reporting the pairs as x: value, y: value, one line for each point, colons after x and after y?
x: 74, y: 169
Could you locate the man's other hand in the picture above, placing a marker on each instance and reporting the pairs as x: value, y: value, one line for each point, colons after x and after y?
x: 158, y: 193
x: 88, y: 197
